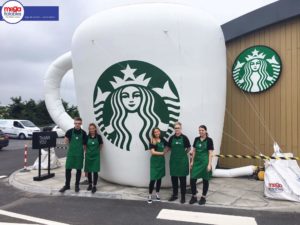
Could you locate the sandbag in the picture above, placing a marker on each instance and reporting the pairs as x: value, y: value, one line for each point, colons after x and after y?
x: 54, y: 162
x: 282, y: 179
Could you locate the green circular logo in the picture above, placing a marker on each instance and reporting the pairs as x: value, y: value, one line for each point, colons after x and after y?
x: 256, y: 69
x: 130, y: 99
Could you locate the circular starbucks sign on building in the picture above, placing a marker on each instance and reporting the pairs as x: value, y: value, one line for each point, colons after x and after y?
x: 130, y: 99
x: 256, y: 69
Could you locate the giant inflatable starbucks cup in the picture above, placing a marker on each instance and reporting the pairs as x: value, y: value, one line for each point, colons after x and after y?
x: 138, y: 67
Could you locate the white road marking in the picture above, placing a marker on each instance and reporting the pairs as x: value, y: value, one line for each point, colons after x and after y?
x: 3, y: 176
x: 30, y: 218
x: 205, y: 218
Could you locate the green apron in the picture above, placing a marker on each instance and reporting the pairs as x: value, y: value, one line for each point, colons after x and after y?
x: 157, y: 163
x: 92, y: 155
x: 75, y: 152
x: 179, y: 163
x: 201, y: 160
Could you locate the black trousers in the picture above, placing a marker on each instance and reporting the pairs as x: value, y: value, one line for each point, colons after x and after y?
x: 95, y: 178
x: 194, y: 187
x: 68, y: 177
x: 175, y: 185
x: 151, y: 185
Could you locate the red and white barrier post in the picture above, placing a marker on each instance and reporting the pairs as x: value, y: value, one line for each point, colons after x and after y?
x: 25, y: 159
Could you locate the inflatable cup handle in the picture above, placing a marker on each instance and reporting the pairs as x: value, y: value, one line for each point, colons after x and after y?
x: 52, y: 81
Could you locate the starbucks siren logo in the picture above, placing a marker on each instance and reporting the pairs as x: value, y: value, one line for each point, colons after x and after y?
x: 256, y: 69
x: 130, y: 99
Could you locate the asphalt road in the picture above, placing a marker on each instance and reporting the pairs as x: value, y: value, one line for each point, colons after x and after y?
x: 78, y: 210
x: 12, y: 156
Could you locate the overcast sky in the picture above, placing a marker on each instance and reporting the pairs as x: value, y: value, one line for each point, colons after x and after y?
x: 28, y: 48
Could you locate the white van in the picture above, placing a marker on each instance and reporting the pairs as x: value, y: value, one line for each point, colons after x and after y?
x: 21, y: 129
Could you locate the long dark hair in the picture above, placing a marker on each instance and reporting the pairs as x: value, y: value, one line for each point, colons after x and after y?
x: 153, y: 141
x: 205, y: 128
x: 93, y: 125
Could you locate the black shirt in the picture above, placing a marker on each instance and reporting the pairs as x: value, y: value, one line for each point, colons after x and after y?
x: 151, y: 146
x: 97, y: 136
x: 186, y: 141
x: 210, y: 143
x: 69, y: 134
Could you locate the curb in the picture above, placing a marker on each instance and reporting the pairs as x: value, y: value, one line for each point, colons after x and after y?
x: 12, y: 181
x: 128, y: 196
x: 55, y: 192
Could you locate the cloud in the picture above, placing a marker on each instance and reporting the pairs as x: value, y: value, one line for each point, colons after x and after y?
x: 21, y: 79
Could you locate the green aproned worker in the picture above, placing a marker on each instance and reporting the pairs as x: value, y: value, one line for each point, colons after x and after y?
x: 180, y: 146
x: 92, y: 157
x: 157, y: 163
x: 201, y: 164
x: 75, y: 137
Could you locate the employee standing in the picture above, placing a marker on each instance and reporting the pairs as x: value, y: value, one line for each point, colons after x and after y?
x: 157, y: 163
x: 75, y: 137
x: 92, y: 157
x: 179, y: 145
x: 201, y: 164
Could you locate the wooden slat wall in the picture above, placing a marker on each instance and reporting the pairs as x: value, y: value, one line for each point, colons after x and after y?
x: 253, y: 120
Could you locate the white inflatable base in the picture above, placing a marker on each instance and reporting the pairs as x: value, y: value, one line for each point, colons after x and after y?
x: 54, y: 162
x: 236, y: 172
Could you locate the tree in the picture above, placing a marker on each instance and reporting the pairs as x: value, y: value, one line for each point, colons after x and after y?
x: 34, y: 111
x: 15, y: 109
x: 71, y: 110
x: 3, y: 112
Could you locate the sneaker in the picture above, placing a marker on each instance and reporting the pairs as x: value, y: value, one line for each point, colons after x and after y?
x: 182, y: 200
x: 202, y: 201
x: 89, y: 188
x: 63, y: 189
x: 193, y: 200
x: 77, y: 189
x: 94, y: 189
x: 157, y: 197
x: 173, y: 198
x: 149, y: 199
x: 85, y: 182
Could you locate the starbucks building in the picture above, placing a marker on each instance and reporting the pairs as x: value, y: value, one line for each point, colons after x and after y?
x: 263, y: 78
